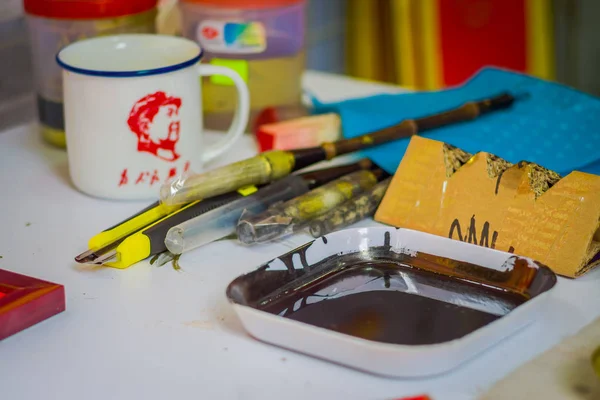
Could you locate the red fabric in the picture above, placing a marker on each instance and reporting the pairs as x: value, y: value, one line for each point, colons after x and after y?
x: 476, y: 33
x: 245, y: 4
x: 87, y: 9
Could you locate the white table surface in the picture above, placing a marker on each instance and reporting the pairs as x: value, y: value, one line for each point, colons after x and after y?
x: 155, y: 333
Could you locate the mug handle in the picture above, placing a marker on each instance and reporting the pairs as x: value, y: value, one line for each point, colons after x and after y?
x: 242, y: 112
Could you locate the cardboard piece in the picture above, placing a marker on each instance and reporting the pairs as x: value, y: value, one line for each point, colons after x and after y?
x: 482, y: 199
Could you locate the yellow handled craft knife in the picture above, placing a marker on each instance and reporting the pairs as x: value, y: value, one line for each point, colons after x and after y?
x: 111, y: 237
x: 129, y: 248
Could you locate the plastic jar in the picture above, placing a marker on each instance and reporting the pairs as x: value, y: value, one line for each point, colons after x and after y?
x: 263, y: 40
x: 54, y: 24
x: 16, y: 86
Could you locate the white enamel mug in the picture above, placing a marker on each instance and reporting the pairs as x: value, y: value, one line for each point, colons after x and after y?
x: 132, y: 107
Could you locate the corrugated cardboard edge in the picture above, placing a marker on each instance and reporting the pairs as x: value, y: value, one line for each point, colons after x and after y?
x: 523, y: 210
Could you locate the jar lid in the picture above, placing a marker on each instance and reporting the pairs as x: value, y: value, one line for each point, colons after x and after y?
x: 87, y: 9
x: 245, y: 4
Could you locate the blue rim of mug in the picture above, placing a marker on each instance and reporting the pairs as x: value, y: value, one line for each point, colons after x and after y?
x: 129, y: 74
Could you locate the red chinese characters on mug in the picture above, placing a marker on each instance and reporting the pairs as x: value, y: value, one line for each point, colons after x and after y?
x: 148, y: 177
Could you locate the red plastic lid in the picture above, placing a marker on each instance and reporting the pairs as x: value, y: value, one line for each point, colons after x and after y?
x: 87, y: 9
x: 245, y: 4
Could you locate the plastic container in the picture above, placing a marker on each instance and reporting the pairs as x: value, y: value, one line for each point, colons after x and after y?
x: 263, y: 40
x: 16, y: 86
x: 54, y: 24
x: 392, y: 302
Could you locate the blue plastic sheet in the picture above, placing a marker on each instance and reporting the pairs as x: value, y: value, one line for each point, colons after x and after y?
x: 554, y: 126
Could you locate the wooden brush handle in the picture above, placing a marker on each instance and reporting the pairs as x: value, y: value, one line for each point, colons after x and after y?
x: 409, y: 127
x: 468, y: 111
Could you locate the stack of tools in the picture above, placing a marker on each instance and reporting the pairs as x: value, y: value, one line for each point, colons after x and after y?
x: 266, y: 197
x: 185, y: 226
x: 221, y: 222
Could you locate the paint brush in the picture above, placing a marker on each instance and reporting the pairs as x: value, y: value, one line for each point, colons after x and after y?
x: 356, y: 209
x: 273, y: 165
x: 284, y: 219
x: 221, y: 221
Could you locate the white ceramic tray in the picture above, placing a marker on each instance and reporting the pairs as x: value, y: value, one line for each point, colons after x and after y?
x: 478, y: 280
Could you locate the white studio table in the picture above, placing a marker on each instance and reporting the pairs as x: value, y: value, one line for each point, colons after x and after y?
x: 151, y: 332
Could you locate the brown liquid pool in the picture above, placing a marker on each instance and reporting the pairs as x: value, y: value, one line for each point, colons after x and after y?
x: 393, y: 303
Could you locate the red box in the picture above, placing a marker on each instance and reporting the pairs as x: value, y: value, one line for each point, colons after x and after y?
x: 26, y: 301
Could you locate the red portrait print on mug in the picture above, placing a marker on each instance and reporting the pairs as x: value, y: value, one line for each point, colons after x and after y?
x: 155, y: 121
